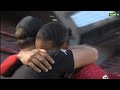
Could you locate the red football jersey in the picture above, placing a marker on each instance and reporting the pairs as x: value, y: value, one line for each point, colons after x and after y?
x: 91, y: 71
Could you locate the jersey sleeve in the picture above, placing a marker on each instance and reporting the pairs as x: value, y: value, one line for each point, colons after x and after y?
x: 7, y: 64
x: 64, y: 62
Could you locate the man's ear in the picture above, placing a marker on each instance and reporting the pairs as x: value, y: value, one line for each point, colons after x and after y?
x: 65, y: 46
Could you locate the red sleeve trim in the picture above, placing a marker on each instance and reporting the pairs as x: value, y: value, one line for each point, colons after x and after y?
x: 7, y: 64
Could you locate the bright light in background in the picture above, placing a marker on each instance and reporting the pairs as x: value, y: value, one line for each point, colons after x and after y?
x: 83, y: 18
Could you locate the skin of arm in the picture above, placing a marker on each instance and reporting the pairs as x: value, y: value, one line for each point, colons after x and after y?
x: 83, y: 55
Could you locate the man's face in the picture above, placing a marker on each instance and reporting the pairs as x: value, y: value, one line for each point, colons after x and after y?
x: 39, y: 44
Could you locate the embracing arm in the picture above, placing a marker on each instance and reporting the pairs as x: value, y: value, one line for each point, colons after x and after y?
x: 84, y: 55
x: 35, y: 58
